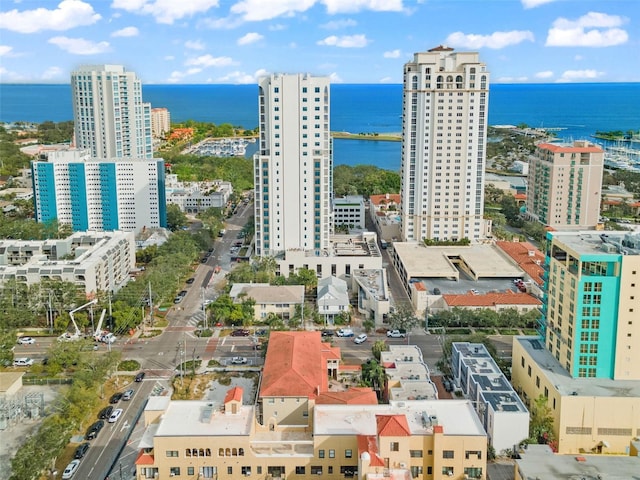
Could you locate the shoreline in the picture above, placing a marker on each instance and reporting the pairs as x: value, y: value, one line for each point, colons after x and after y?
x: 373, y: 136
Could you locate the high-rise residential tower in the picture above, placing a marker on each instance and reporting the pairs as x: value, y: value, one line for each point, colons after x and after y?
x: 110, y: 118
x: 564, y: 185
x: 293, y: 166
x: 444, y: 131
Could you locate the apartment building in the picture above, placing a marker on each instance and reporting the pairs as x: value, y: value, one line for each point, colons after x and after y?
x: 94, y: 194
x: 565, y: 185
x: 349, y: 211
x: 160, y: 122
x: 293, y: 165
x: 304, y: 424
x: 93, y: 261
x: 502, y: 413
x: 585, y: 358
x: 194, y: 197
x: 110, y: 118
x: 444, y: 131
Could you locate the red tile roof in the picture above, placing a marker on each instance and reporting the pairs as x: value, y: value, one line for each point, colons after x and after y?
x: 420, y: 287
x: 519, y: 252
x: 570, y: 149
x: 393, y: 426
x: 144, y: 459
x: 294, y: 365
x: 234, y: 394
x: 385, y: 198
x: 438, y: 429
x: 369, y: 444
x: 353, y: 396
x: 520, y: 196
x: 491, y: 299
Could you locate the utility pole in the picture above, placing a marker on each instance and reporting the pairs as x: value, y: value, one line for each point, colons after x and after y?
x: 150, y: 307
x: 50, y: 313
x: 204, y: 310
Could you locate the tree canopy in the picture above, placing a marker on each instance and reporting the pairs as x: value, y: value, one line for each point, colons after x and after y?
x: 364, y: 180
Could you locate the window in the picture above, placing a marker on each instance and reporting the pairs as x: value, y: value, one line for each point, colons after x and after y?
x: 473, y: 453
x: 332, y: 453
x: 473, y: 472
x: 172, y: 453
x: 191, y: 471
x: 246, y: 470
x: 415, y: 453
x: 174, y: 471
x: 447, y: 471
x: 300, y: 470
x: 229, y: 470
x: 320, y: 453
x: 348, y: 453
x: 316, y: 470
x: 447, y: 454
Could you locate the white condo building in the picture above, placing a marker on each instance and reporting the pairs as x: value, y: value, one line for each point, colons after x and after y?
x: 293, y: 167
x: 110, y: 118
x: 444, y: 130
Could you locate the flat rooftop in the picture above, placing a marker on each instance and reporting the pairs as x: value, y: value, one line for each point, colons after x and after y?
x: 479, y: 260
x: 373, y: 280
x: 456, y: 417
x: 591, y: 242
x: 565, y: 384
x: 538, y: 461
x: 196, y: 418
x: 409, y: 376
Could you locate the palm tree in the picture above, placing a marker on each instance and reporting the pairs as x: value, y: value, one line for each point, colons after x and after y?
x: 374, y: 375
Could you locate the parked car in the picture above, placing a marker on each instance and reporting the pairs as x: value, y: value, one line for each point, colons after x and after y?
x: 81, y: 450
x: 240, y: 332
x: 140, y: 377
x: 345, y: 332
x: 204, y: 260
x: 115, y: 415
x: 71, y: 469
x: 26, y: 340
x: 360, y: 339
x: 94, y: 430
x: 396, y: 333
x: 126, y: 396
x: 182, y: 293
x: 115, y: 398
x: 238, y: 360
x: 190, y: 281
x: 327, y: 333
x: 105, y: 412
x: 178, y: 299
x: 23, y: 362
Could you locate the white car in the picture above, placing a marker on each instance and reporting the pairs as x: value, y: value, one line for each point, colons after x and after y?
x: 238, y: 360
x: 23, y: 362
x: 115, y: 415
x: 360, y: 339
x: 345, y: 332
x: 71, y: 469
x: 396, y: 333
x: 26, y: 340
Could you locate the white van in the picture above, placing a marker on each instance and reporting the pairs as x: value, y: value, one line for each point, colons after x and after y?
x: 22, y: 362
x: 345, y: 332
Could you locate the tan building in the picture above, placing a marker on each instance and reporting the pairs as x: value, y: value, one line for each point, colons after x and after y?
x: 160, y: 122
x: 280, y: 300
x: 384, y: 211
x: 565, y: 184
x: 304, y: 424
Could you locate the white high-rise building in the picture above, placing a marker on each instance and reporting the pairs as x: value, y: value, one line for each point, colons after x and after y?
x: 294, y: 165
x: 110, y: 118
x: 444, y: 131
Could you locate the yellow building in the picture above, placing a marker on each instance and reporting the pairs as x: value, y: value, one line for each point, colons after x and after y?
x: 303, y: 424
x: 591, y: 415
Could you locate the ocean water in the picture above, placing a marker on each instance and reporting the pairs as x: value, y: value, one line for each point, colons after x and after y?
x: 578, y: 109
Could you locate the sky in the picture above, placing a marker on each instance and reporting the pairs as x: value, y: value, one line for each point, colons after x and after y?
x: 351, y: 41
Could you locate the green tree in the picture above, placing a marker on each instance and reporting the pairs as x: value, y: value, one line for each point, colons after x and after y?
x: 176, y: 219
x: 403, y: 318
x: 541, y: 422
x: 374, y: 376
x: 378, y: 347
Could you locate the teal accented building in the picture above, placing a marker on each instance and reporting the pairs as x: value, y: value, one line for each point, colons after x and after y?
x: 99, y: 195
x: 590, y: 316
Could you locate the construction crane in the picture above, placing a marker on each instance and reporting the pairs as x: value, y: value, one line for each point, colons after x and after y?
x: 77, y: 334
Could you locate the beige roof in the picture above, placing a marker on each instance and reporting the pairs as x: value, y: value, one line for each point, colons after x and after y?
x: 275, y: 293
x: 7, y: 379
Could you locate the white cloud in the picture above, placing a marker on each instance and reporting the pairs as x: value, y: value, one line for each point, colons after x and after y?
x: 7, y: 76
x: 225, y: 23
x: 277, y: 27
x: 342, y: 6
x: 512, y: 79
x: 126, y: 32
x: 166, y: 11
x: 194, y: 45
x: 392, y: 54
x: 251, y: 37
x: 209, y: 61
x: 571, y: 75
x: 496, y: 40
x: 577, y: 58
x: 591, y: 30
x: 338, y: 24
x: 335, y: 78
x: 169, y: 57
x: 544, y: 74
x: 535, y: 3
x: 345, y: 41
x: 5, y: 50
x: 52, y: 73
x: 68, y: 14
x: 176, y: 75
x: 242, y: 77
x: 79, y: 46
x: 257, y: 10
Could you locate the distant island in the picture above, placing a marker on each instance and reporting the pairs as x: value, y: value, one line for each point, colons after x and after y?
x: 618, y: 136
x: 380, y: 137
